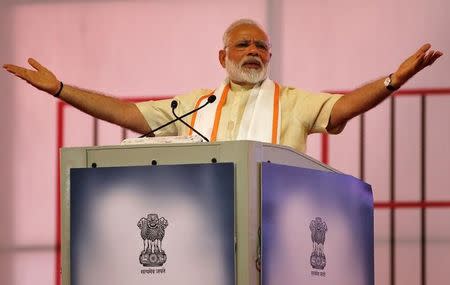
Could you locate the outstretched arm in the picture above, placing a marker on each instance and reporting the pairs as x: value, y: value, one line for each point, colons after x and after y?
x: 370, y: 95
x: 103, y: 107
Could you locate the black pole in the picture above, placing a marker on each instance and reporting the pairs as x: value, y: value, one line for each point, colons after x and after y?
x: 392, y: 192
x: 423, y: 233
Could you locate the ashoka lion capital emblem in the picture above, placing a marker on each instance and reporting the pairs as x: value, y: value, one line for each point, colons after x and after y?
x: 153, y: 230
x: 318, y: 229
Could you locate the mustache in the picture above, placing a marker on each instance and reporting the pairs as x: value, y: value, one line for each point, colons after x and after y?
x: 251, y: 59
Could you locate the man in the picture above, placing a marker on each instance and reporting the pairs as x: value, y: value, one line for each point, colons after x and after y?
x: 249, y: 105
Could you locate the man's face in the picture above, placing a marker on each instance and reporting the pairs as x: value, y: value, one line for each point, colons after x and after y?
x: 247, y: 54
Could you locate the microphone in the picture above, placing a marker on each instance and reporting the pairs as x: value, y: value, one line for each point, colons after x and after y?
x: 173, y: 105
x: 211, y: 98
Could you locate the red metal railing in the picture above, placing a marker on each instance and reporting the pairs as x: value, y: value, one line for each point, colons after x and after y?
x: 392, y: 205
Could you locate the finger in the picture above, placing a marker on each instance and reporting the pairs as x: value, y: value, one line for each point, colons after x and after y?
x: 421, y: 59
x: 422, y: 49
x: 16, y: 70
x: 436, y: 55
x: 9, y: 66
x: 427, y: 57
x: 432, y: 57
x: 34, y: 63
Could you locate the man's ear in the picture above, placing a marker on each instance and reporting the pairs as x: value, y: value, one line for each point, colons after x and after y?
x: 222, y: 55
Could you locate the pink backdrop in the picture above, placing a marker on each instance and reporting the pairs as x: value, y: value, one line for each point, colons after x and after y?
x: 152, y: 48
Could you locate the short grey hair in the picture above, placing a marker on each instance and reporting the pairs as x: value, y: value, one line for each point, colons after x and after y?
x: 226, y: 35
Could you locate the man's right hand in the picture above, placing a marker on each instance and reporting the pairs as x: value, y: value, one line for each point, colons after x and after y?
x: 41, y: 77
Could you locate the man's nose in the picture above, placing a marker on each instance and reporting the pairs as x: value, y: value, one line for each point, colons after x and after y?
x: 252, y: 49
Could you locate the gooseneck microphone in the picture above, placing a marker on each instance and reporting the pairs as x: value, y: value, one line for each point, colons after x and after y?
x: 174, y: 104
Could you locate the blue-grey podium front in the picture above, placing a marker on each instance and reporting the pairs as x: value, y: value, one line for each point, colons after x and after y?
x: 317, y: 227
x: 177, y: 222
x: 153, y: 225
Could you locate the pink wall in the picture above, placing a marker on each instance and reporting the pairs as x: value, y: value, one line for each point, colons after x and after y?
x: 136, y: 48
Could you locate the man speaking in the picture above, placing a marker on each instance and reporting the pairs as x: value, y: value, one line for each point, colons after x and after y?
x: 248, y: 105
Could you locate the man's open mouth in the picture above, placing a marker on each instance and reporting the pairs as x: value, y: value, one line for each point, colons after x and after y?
x: 251, y: 64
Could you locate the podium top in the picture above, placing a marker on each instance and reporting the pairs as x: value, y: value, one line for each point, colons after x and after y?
x: 186, y: 153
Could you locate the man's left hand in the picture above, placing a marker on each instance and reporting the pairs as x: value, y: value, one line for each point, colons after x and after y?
x: 415, y: 63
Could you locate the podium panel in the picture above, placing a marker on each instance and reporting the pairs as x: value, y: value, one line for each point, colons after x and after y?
x: 153, y: 225
x: 317, y: 227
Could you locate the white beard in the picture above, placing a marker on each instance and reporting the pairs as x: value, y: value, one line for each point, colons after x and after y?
x: 237, y: 73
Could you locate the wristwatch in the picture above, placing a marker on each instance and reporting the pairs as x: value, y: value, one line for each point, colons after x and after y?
x: 388, y: 83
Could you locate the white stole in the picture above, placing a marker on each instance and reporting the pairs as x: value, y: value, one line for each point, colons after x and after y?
x: 257, y: 121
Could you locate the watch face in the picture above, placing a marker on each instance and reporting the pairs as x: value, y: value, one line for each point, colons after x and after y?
x: 387, y: 81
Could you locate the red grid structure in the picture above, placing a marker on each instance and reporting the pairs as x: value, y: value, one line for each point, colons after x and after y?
x: 391, y: 205
x: 421, y: 92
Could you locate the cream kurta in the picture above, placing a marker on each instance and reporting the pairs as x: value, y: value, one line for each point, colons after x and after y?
x: 302, y: 113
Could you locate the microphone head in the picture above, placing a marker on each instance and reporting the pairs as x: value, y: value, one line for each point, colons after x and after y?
x: 211, y: 98
x: 174, y: 104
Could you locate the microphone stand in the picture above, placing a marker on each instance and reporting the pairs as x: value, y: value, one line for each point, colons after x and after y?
x: 174, y: 105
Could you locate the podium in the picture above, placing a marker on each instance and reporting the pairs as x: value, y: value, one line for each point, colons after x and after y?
x: 237, y: 212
